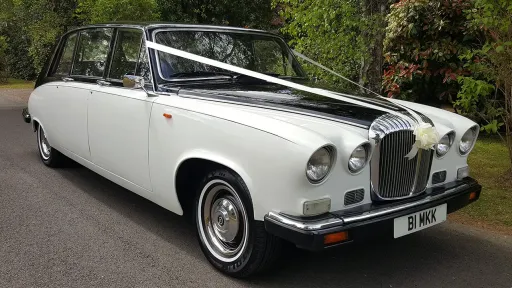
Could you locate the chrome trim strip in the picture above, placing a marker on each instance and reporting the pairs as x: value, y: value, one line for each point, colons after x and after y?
x: 284, y: 220
x: 303, y: 225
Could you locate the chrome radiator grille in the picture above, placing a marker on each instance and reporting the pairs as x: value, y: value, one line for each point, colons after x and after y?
x: 398, y: 176
x: 393, y: 175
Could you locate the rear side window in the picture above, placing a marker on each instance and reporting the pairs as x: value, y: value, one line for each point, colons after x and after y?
x: 66, y: 57
x: 126, y: 53
x: 92, y: 52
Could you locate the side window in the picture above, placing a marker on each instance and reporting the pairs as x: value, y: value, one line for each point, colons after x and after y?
x: 66, y: 56
x: 126, y: 53
x: 129, y: 56
x: 92, y: 52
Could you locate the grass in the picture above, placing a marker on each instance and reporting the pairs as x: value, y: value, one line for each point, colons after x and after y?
x: 17, y: 84
x: 490, y: 165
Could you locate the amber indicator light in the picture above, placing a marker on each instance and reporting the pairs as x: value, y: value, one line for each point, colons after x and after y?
x: 335, y: 237
x: 472, y: 196
x: 167, y: 115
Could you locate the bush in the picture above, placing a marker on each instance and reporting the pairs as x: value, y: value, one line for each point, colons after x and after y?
x: 346, y: 36
x: 3, y: 62
x: 423, y: 41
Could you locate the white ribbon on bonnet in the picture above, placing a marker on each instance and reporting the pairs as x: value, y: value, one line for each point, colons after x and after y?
x: 426, y: 135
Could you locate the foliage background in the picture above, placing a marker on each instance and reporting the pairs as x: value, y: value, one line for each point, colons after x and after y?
x: 30, y: 28
x: 438, y: 52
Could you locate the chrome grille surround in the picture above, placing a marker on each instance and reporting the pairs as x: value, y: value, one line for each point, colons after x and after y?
x: 392, y: 175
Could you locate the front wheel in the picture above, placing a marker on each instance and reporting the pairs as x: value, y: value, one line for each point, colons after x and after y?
x: 231, y: 239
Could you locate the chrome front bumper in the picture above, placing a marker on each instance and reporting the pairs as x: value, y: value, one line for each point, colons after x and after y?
x: 309, y: 233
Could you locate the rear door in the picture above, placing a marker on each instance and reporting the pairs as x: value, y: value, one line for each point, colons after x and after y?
x: 118, y: 117
x: 65, y: 103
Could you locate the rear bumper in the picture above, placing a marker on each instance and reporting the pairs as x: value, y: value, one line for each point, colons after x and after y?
x: 26, y: 116
x: 361, y: 222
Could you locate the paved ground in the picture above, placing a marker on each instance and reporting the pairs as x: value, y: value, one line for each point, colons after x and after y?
x: 72, y: 228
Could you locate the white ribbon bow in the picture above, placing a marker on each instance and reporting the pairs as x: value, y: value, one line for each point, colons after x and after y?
x: 426, y: 137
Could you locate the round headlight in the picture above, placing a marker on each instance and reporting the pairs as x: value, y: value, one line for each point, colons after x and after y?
x: 358, y: 158
x: 444, y: 144
x: 319, y: 164
x: 467, y: 140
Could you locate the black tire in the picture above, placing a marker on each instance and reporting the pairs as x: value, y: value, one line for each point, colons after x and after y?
x: 49, y: 155
x: 260, y: 249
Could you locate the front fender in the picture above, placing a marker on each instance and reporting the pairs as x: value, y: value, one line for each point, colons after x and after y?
x: 213, y: 157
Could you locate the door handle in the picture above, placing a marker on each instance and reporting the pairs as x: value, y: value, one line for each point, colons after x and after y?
x: 103, y: 83
x: 66, y: 79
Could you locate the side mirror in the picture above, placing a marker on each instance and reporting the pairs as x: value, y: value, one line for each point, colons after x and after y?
x: 132, y: 81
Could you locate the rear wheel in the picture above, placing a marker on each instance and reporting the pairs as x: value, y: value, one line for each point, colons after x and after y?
x: 48, y: 154
x: 231, y: 239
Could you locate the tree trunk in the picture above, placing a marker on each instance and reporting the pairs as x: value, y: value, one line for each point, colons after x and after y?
x: 376, y: 10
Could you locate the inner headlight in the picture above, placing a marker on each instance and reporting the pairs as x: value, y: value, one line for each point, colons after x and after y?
x: 320, y: 164
x: 444, y: 144
x: 467, y: 140
x: 358, y: 158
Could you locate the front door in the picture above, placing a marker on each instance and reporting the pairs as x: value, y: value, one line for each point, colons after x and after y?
x: 118, y: 117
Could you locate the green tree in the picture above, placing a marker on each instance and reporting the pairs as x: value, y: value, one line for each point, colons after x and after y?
x: 345, y: 35
x: 31, y: 28
x: 493, y: 61
x: 423, y: 41
x: 244, y: 13
x: 101, y: 11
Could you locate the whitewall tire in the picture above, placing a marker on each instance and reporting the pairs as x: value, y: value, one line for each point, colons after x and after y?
x: 230, y: 238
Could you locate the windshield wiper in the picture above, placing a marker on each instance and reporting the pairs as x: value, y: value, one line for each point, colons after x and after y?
x: 194, y: 74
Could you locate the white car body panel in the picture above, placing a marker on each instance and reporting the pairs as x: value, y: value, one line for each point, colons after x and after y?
x: 64, y: 110
x: 132, y: 144
x: 118, y: 122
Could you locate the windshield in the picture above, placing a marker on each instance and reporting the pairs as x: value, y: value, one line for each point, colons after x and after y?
x: 256, y: 52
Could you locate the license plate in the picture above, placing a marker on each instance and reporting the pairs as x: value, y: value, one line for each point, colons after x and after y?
x: 420, y: 220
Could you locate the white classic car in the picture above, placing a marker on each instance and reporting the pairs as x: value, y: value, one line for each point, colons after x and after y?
x: 253, y: 162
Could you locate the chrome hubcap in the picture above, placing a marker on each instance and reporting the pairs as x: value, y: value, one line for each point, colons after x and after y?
x: 225, y: 219
x: 44, y: 145
x: 224, y: 226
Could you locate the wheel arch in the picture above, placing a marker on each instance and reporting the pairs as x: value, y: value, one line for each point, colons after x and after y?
x: 192, y: 167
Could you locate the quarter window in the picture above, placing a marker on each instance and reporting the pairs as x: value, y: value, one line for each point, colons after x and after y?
x: 92, y: 52
x: 143, y: 66
x: 66, y: 58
